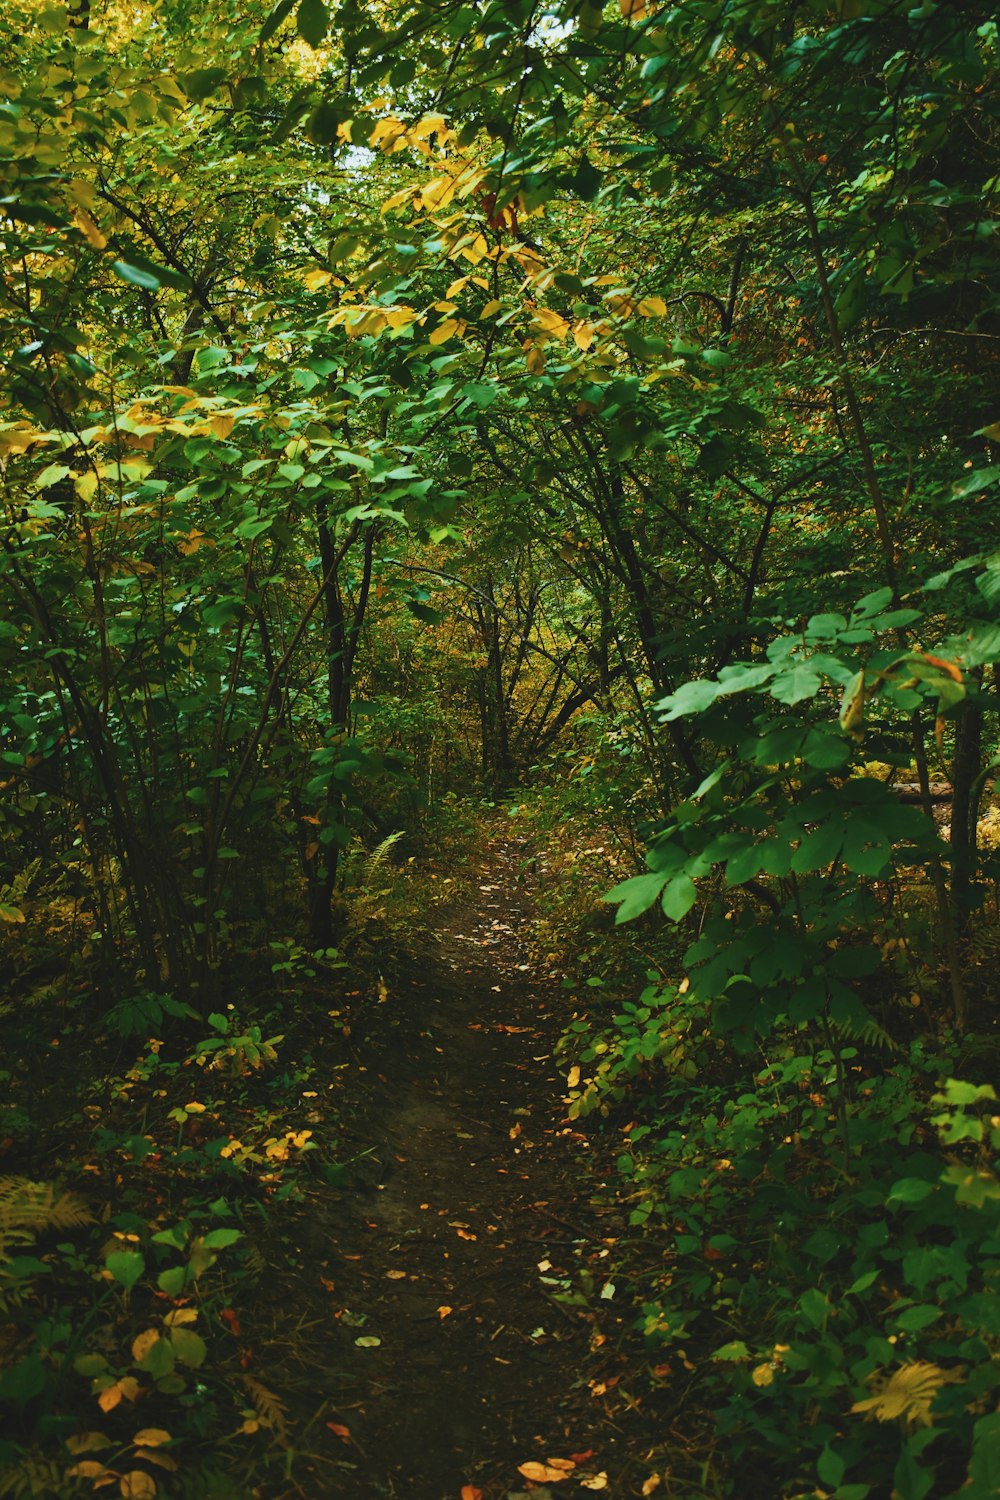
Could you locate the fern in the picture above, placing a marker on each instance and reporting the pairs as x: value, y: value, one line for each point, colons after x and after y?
x: 35, y: 1476
x: 271, y: 1410
x: 27, y: 1208
x: 908, y: 1394
x: 378, y: 857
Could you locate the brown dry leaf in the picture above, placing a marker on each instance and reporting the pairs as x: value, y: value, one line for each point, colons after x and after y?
x: 151, y: 1437
x: 547, y: 1473
x: 444, y: 1312
x: 395, y: 1275
x: 464, y: 1234
x: 138, y: 1485
x: 340, y: 1430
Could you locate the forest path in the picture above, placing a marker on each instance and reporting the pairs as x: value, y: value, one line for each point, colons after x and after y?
x: 436, y: 1357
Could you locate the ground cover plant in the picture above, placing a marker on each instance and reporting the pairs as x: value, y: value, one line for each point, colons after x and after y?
x: 499, y: 666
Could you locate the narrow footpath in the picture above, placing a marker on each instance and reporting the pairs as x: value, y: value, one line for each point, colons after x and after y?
x: 446, y: 1358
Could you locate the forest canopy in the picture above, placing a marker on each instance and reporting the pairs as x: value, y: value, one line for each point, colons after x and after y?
x: 411, y: 405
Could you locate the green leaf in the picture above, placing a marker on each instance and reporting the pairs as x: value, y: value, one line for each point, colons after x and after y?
x: 132, y: 274
x: 159, y: 1359
x: 635, y: 895
x: 796, y: 684
x: 173, y: 1281
x: 189, y: 1347
x: 221, y: 1239
x: 312, y: 21
x: 275, y: 17
x: 819, y: 848
x: 814, y: 1307
x: 830, y: 1468
x: 679, y: 897
x: 126, y: 1266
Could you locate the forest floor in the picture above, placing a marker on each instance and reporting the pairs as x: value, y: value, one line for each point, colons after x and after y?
x: 417, y: 1329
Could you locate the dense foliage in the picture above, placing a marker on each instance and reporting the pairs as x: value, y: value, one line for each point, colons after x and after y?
x: 407, y: 401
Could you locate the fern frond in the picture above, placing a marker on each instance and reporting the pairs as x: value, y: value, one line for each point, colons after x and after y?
x: 34, y: 1476
x: 908, y: 1394
x: 868, y: 1031
x: 378, y: 857
x: 271, y: 1410
x: 36, y: 1206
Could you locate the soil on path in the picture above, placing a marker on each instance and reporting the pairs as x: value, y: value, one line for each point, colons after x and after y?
x: 429, y: 1345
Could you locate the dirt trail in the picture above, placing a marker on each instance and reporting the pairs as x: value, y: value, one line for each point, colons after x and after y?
x: 477, y: 1370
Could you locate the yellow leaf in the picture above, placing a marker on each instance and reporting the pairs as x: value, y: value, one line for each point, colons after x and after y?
x: 395, y: 1275
x: 86, y: 486
x: 88, y: 1468
x: 399, y: 317
x: 194, y: 1108
x: 652, y: 307
x: 583, y: 335
x: 443, y: 332
x: 142, y: 1344
x: 632, y: 10
x: 651, y: 1484
x: 87, y: 227
x: 475, y: 250
x: 87, y: 1442
x: 151, y: 1437
x: 437, y: 193
x: 763, y: 1375
x: 535, y: 360
x: 493, y: 306
x: 111, y: 1397
x: 598, y: 1482
x: 444, y: 1312
x: 138, y: 1485
x: 316, y: 278
x: 456, y: 286
x: 573, y: 1077
x: 552, y: 322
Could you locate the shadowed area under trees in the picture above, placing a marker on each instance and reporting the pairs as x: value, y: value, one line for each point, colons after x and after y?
x: 499, y: 644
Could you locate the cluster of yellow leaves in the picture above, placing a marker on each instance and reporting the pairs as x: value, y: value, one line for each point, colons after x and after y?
x: 133, y: 1484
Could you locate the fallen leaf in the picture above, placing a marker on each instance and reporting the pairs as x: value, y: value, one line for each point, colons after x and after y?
x: 444, y: 1312
x: 340, y: 1430
x: 395, y: 1275
x: 652, y: 1483
x: 464, y: 1234
x: 367, y: 1341
x: 547, y: 1473
x: 597, y: 1482
x: 469, y: 1492
x: 581, y: 1458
